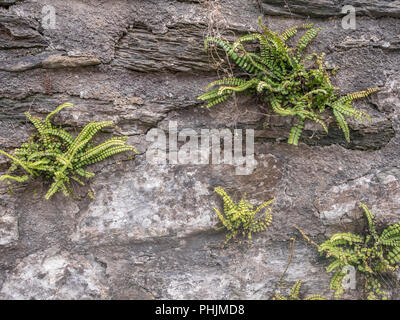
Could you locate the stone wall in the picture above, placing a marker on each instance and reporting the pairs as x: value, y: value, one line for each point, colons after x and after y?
x: 150, y: 230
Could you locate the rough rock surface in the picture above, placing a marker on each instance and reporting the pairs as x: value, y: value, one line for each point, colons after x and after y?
x: 328, y: 8
x: 150, y: 231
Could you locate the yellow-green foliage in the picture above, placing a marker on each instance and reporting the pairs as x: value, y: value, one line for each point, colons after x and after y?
x: 241, y: 218
x: 295, y: 294
x: 372, y: 255
x: 291, y: 83
x: 56, y: 155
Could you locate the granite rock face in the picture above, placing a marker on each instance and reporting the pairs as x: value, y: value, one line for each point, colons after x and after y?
x: 149, y: 232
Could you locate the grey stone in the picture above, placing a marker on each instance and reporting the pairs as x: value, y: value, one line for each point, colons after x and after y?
x: 19, y: 32
x: 379, y: 190
x: 47, y: 60
x: 55, y: 274
x: 322, y: 8
x: 8, y: 222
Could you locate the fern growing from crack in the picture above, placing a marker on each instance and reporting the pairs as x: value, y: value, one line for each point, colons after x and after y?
x: 372, y: 255
x: 59, y: 157
x: 278, y: 73
x: 241, y: 218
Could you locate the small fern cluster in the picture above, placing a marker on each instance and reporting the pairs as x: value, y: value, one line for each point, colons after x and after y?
x: 58, y: 156
x: 372, y: 255
x: 295, y: 294
x: 278, y: 73
x: 241, y: 218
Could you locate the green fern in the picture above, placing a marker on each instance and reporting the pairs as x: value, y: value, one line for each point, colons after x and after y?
x: 59, y: 157
x: 241, y: 218
x: 372, y: 255
x: 295, y: 133
x: 295, y: 294
x: 279, y: 74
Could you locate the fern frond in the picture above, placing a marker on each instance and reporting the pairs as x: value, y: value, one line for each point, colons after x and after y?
x: 295, y: 291
x: 278, y: 297
x: 370, y: 218
x: 265, y: 204
x: 248, y: 37
x: 295, y: 294
x: 221, y: 43
x: 18, y: 179
x: 229, y: 205
x: 315, y: 297
x: 342, y: 124
x: 341, y: 238
x: 86, y: 135
x: 242, y: 60
x: 217, y: 100
x: 20, y: 162
x: 307, y: 38
x: 350, y: 111
x: 58, y: 109
x: 291, y: 84
x: 101, y: 155
x: 336, y: 283
x: 84, y: 173
x: 37, y: 122
x: 54, y: 188
x: 393, y: 254
x: 281, y: 111
x: 59, y: 133
x: 391, y: 235
x: 209, y: 95
x: 56, y: 155
x: 226, y: 81
x: 262, y: 85
x: 243, y: 87
x: 358, y: 95
x: 273, y: 37
x: 93, y: 152
x: 65, y: 190
x: 295, y: 133
x: 40, y: 127
x: 241, y: 218
x: 290, y: 32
